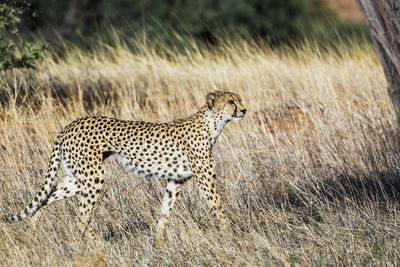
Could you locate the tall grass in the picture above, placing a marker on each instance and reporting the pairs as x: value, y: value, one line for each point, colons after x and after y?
x: 309, y: 177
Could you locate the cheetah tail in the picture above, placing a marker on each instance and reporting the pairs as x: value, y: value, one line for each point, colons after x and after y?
x: 45, y: 191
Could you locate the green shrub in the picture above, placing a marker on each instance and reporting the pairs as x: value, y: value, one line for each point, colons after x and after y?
x: 22, y: 54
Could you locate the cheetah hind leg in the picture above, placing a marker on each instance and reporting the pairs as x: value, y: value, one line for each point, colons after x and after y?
x: 68, y: 187
x: 89, y: 196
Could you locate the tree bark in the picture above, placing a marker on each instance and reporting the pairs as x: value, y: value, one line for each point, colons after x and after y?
x: 383, y: 19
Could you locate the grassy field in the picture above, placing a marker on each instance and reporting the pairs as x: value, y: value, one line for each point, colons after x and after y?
x: 309, y: 177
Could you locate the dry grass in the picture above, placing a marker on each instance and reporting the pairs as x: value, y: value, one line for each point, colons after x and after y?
x: 309, y: 177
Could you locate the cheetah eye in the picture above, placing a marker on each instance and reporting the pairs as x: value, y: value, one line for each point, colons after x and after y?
x: 231, y: 102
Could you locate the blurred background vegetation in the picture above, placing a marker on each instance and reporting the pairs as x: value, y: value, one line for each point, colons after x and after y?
x: 273, y: 21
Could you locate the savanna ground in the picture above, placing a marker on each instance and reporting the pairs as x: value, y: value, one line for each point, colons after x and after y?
x: 309, y: 177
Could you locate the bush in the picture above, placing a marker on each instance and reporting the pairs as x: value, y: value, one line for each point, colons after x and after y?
x: 10, y: 56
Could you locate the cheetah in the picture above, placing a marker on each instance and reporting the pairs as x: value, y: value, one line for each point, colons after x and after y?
x: 177, y: 151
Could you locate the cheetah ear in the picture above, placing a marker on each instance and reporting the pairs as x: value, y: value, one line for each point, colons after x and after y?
x: 210, y: 98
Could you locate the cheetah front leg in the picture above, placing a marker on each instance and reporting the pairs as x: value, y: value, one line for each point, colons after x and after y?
x: 171, y: 192
x: 205, y: 179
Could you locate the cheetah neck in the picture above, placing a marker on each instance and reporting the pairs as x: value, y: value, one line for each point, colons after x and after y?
x: 213, y: 122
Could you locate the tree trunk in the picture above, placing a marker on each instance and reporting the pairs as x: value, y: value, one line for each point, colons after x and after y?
x: 383, y: 19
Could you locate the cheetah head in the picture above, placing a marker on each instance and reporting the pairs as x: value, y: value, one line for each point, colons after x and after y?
x: 226, y: 105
